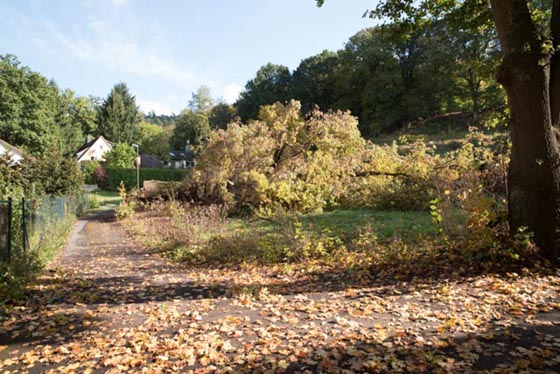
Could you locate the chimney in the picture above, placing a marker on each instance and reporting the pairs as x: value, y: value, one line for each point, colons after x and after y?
x: 89, y: 138
x: 188, y: 146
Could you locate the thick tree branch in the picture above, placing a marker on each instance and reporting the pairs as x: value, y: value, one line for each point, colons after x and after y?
x: 380, y: 174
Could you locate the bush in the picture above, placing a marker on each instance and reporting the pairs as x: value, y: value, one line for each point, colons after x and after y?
x: 100, y: 175
x: 122, y: 156
x: 128, y: 177
x: 281, y: 161
x: 93, y: 201
x: 128, y: 203
x: 88, y: 170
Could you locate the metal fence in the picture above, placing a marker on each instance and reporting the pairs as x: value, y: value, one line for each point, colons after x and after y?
x: 23, y: 219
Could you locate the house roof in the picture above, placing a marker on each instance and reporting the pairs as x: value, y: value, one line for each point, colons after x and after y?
x: 181, y: 155
x: 84, y: 148
x: 149, y: 161
x: 90, y: 143
x: 11, y: 148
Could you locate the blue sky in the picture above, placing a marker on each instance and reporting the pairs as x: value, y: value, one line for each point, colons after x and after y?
x: 165, y: 49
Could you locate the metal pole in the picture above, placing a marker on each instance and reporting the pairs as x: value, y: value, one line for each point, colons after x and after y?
x: 23, y: 224
x: 137, y: 170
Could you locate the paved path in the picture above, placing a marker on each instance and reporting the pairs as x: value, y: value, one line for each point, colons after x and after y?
x: 99, y: 284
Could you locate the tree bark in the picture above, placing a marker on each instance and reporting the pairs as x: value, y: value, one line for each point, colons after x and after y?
x: 534, y: 171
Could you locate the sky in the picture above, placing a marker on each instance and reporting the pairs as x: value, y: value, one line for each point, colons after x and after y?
x: 164, y: 50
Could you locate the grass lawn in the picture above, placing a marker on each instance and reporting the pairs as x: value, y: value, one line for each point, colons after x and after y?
x: 348, y: 224
x: 106, y: 199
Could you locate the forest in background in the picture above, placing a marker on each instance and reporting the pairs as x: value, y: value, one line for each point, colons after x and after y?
x: 390, y: 77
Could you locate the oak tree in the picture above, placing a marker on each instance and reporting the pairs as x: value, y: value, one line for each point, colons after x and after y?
x: 529, y: 34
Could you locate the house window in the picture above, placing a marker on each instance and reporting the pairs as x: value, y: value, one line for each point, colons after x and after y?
x: 92, y: 158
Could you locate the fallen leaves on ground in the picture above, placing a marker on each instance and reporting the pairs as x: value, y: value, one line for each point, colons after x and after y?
x: 114, y: 308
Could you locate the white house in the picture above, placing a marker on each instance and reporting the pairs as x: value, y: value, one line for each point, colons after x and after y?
x: 16, y: 154
x: 94, y: 149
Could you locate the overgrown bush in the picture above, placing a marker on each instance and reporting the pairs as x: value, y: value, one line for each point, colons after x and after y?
x: 27, y: 262
x: 282, y: 160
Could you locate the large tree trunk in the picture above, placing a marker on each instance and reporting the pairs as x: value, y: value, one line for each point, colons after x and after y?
x: 534, y: 172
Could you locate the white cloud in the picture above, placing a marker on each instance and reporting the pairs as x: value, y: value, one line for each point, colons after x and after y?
x: 120, y: 52
x: 231, y: 93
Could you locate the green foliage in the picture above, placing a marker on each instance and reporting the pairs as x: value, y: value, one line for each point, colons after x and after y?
x: 88, y: 169
x: 396, y: 75
x: 107, y: 198
x: 314, y: 81
x: 35, y: 115
x: 57, y: 175
x: 93, y: 201
x: 201, y: 100
x: 70, y: 136
x: 221, y: 115
x: 270, y: 85
x: 27, y: 107
x: 154, y: 140
x: 121, y: 156
x: 44, y: 243
x: 128, y: 176
x: 190, y: 126
x: 160, y: 120
x: 118, y: 115
x: 14, y: 180
x: 128, y: 204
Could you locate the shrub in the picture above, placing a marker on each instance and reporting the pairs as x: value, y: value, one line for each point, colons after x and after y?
x: 100, y: 176
x: 121, y: 156
x: 128, y: 204
x: 282, y: 160
x: 88, y: 170
x: 128, y: 176
x: 93, y: 201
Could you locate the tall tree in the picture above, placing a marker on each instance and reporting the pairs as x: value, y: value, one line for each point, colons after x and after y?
x: 118, y: 115
x: 190, y: 127
x: 222, y: 115
x: 27, y: 107
x: 271, y: 84
x: 70, y: 133
x: 529, y: 33
x: 201, y: 100
x: 83, y: 111
x: 313, y: 81
x: 121, y: 156
x: 153, y: 139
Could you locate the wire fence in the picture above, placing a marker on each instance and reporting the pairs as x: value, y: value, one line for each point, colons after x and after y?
x: 24, y: 219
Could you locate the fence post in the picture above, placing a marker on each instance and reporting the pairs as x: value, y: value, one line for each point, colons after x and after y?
x: 9, y: 229
x: 24, y: 225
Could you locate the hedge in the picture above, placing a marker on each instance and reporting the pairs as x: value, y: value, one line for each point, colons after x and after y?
x: 128, y: 176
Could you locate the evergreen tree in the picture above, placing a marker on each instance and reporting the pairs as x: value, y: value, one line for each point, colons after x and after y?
x: 118, y: 115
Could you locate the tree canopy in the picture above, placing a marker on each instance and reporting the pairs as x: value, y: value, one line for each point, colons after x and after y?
x: 529, y: 32
x: 118, y: 115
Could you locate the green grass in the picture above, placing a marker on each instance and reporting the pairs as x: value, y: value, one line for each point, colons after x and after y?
x: 106, y: 199
x: 348, y: 224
